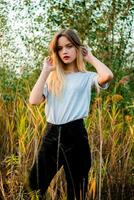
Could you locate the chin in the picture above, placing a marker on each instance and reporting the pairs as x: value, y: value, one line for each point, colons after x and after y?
x: 66, y: 62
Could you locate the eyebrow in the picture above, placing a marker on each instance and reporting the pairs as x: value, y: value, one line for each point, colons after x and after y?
x: 65, y: 45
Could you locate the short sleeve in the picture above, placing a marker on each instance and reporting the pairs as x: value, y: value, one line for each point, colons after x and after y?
x: 45, y: 90
x: 97, y: 85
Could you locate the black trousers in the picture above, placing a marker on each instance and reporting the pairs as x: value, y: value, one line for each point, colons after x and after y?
x: 63, y: 145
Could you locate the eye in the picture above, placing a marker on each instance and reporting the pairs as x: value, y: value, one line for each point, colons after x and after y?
x: 59, y: 48
x: 70, y: 45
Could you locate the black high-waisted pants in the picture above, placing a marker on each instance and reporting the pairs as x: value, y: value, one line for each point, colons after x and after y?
x: 67, y: 145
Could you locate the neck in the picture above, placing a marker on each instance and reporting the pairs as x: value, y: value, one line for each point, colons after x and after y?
x: 70, y: 68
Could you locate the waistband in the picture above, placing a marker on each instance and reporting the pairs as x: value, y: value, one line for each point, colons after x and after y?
x: 74, y: 122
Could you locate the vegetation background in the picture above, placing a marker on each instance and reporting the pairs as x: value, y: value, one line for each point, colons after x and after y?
x: 26, y: 27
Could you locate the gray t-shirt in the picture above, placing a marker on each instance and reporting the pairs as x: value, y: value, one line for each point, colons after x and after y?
x: 74, y: 101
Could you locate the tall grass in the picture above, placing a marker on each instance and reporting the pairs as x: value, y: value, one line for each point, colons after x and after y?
x: 111, y: 137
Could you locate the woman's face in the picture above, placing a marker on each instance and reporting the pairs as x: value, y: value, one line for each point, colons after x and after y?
x: 66, y: 50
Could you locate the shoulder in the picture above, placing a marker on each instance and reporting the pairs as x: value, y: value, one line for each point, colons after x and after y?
x: 84, y: 73
x: 91, y: 74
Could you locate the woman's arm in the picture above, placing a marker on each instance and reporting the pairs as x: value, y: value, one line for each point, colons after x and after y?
x: 36, y: 95
x: 104, y: 73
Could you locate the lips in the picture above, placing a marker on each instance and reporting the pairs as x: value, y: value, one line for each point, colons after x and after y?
x: 66, y: 57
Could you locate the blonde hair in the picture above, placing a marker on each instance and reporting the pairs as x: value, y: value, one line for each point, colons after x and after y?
x: 56, y: 78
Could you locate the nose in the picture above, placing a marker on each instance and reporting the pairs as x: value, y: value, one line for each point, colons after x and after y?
x: 64, y: 50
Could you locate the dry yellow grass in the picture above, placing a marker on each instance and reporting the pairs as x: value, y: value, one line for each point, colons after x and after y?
x: 22, y: 127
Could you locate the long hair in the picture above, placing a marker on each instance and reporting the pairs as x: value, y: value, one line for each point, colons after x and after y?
x: 56, y: 78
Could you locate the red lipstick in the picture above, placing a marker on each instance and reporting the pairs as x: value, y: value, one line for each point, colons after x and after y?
x: 66, y: 57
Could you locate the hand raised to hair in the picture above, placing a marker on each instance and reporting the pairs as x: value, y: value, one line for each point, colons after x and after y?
x: 87, y: 55
x: 48, y: 64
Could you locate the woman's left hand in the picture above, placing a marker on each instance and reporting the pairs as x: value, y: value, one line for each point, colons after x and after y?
x: 87, y: 55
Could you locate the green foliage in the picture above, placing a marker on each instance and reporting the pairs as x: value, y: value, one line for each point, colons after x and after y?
x: 106, y: 26
x: 13, y: 85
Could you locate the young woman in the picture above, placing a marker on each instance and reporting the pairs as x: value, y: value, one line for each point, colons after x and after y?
x: 66, y: 85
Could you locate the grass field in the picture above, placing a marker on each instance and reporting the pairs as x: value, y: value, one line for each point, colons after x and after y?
x: 111, y: 138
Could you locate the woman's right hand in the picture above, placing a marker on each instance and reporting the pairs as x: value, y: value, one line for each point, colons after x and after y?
x: 48, y: 64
